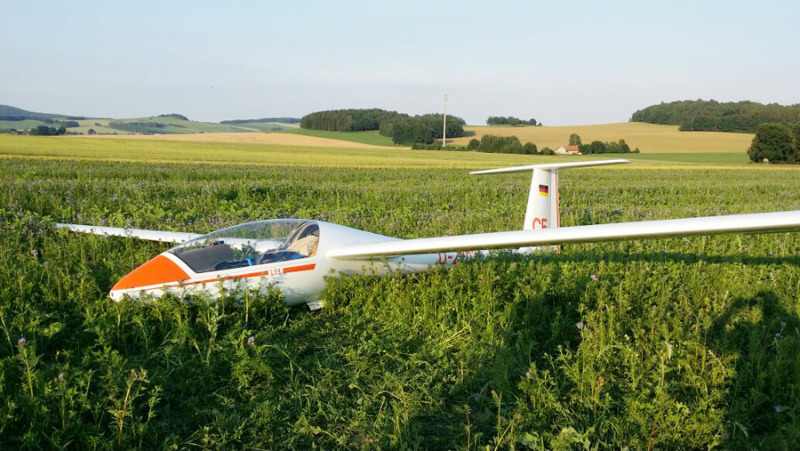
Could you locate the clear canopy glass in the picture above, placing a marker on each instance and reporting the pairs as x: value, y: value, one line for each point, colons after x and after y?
x: 250, y: 244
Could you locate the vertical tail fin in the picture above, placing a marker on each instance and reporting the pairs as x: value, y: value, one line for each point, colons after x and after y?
x: 543, y: 211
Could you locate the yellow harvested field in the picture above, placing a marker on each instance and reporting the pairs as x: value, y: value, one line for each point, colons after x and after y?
x: 649, y: 138
x: 282, y: 139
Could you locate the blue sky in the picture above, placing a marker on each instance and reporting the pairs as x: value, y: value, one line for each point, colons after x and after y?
x: 562, y: 63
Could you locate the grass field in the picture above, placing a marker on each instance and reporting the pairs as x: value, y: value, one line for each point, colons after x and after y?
x: 267, y: 126
x: 687, y: 343
x: 649, y: 138
x: 367, y: 137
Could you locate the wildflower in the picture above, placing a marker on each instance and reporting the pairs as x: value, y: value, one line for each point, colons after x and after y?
x: 62, y: 377
x: 528, y: 374
x: 35, y: 253
x: 21, y: 342
x: 580, y: 325
x: 778, y: 336
x: 594, y: 278
x: 251, y: 341
x: 771, y: 253
x: 778, y: 409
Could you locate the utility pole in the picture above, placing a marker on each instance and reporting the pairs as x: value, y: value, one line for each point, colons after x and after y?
x: 444, y: 123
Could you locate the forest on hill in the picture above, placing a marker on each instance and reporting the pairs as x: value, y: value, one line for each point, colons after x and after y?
x: 401, y: 127
x: 710, y: 115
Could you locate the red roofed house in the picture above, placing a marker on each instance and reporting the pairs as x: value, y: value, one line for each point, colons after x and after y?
x: 568, y: 150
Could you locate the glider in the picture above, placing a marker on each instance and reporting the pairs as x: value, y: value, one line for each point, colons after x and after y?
x: 295, y: 255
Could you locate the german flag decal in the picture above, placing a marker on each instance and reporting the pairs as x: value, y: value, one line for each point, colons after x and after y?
x: 543, y: 190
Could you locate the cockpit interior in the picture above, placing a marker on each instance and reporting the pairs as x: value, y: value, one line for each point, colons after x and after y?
x: 250, y: 244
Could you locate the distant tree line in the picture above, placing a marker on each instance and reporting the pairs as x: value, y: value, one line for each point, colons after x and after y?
x: 44, y: 130
x: 145, y: 128
x: 710, y: 115
x: 282, y: 120
x: 424, y: 129
x: 502, y: 144
x: 600, y: 147
x: 776, y: 142
x: 352, y: 120
x: 606, y: 147
x: 174, y: 116
x: 402, y: 128
x: 16, y: 118
x: 510, y: 120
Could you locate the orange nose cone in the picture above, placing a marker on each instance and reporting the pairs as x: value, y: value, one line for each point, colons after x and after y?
x: 158, y: 271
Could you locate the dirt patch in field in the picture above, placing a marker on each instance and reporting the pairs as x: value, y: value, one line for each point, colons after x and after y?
x: 284, y: 139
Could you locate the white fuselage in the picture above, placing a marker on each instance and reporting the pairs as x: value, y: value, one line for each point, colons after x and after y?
x: 300, y: 281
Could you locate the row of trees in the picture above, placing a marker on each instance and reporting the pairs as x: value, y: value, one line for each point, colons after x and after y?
x: 43, y: 130
x: 502, y: 144
x: 776, y: 142
x: 710, y: 115
x: 426, y: 128
x: 175, y: 116
x: 600, y: 147
x: 145, y: 128
x: 606, y: 147
x: 402, y: 128
x: 352, y: 120
x: 510, y: 120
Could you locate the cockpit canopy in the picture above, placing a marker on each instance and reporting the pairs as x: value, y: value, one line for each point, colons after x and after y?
x: 250, y: 244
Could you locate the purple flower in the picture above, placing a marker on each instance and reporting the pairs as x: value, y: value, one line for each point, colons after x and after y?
x: 251, y: 341
x: 580, y: 325
x: 778, y: 336
x: 21, y: 342
x: 778, y: 409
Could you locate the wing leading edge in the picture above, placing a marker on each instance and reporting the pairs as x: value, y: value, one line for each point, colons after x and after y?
x: 151, y: 235
x: 711, y: 225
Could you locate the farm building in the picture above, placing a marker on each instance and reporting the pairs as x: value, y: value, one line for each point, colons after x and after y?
x: 568, y: 150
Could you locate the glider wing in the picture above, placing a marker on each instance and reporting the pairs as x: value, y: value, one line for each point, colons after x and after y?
x: 712, y: 225
x: 151, y: 235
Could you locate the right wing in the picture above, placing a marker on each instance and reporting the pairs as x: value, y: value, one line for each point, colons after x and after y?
x: 749, y: 223
x: 151, y: 235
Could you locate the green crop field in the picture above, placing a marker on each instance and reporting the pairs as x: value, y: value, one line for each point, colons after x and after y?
x: 685, y: 343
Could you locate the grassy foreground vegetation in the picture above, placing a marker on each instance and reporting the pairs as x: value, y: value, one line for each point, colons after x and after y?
x: 676, y: 344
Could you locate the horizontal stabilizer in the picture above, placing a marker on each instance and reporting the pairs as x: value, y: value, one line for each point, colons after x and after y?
x: 748, y: 223
x: 547, y: 167
x: 151, y: 235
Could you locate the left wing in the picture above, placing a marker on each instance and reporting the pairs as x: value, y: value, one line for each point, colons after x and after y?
x: 748, y: 223
x: 152, y: 235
